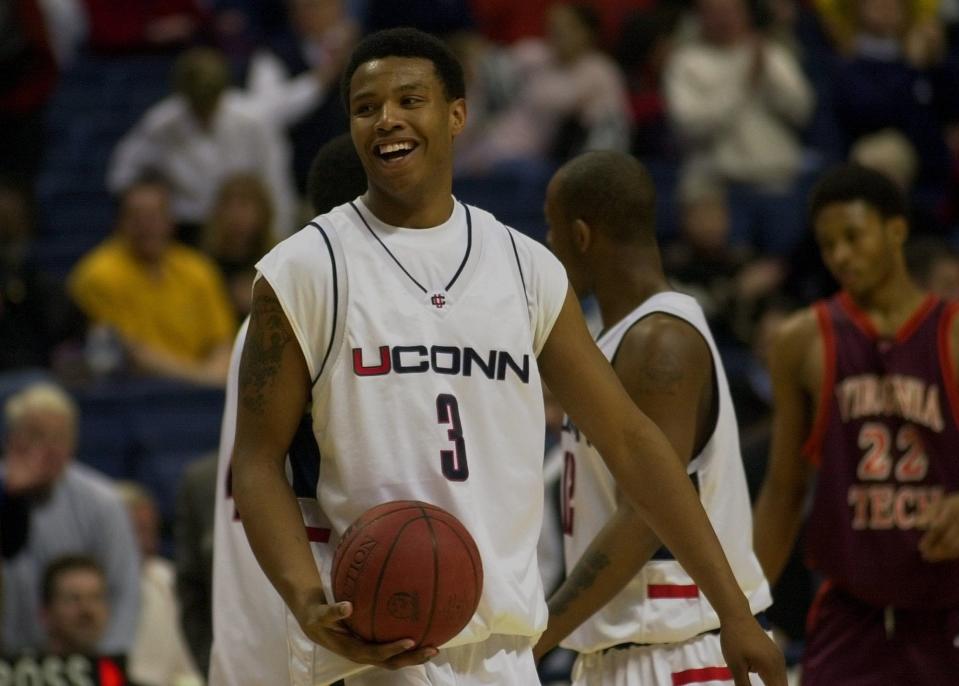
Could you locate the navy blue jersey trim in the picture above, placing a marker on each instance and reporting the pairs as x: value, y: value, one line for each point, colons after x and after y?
x: 336, y: 301
x: 519, y: 266
x: 388, y: 252
x: 305, y: 459
x: 469, y: 246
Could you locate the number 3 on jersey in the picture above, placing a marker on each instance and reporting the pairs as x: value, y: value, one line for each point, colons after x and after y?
x: 453, y: 461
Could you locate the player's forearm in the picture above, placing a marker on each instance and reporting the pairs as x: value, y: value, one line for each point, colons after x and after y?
x: 662, y: 493
x: 274, y: 527
x: 777, y: 517
x: 614, y: 557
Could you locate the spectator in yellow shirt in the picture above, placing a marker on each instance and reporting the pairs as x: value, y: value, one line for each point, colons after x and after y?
x: 167, y: 301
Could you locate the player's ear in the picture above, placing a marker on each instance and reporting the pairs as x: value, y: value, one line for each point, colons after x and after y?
x: 457, y: 116
x: 582, y: 235
x: 898, y: 228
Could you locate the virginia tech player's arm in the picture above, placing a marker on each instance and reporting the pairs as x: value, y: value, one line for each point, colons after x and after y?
x: 941, y: 541
x: 777, y: 515
x: 666, y: 368
x: 274, y: 385
x: 587, y: 387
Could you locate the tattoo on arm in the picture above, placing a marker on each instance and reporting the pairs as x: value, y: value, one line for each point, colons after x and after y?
x: 581, y: 579
x: 262, y: 351
x: 662, y: 373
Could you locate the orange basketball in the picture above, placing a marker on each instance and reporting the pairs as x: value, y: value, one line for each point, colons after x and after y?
x: 411, y: 570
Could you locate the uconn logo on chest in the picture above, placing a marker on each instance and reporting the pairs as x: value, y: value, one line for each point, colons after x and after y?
x: 495, y: 365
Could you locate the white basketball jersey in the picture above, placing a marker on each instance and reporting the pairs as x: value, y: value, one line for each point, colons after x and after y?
x: 249, y: 616
x: 427, y: 388
x: 662, y: 604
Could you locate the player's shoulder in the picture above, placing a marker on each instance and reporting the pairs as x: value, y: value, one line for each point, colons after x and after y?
x: 169, y: 112
x: 795, y: 338
x: 530, y: 252
x: 192, y: 261
x: 103, y: 261
x: 802, y: 326
x: 667, y: 340
x: 94, y: 487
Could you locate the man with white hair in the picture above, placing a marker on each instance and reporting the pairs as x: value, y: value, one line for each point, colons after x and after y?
x: 72, y: 510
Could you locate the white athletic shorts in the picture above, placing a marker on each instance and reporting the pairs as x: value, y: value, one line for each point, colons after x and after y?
x: 498, y: 661
x: 696, y: 662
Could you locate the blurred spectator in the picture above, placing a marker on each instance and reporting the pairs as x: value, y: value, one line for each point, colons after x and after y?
x: 240, y: 27
x: 573, y: 98
x: 67, y: 27
x: 841, y: 18
x: 896, y: 76
x: 72, y: 509
x: 507, y: 21
x: 193, y: 532
x: 167, y: 301
x: 239, y: 233
x: 294, y: 83
x: 727, y: 281
x: 141, y: 25
x: 441, y: 18
x: 28, y: 74
x: 489, y: 73
x: 159, y: 656
x: 736, y: 99
x: 934, y: 266
x: 75, y: 607
x: 644, y: 49
x: 889, y: 152
x: 200, y: 135
x: 36, y: 316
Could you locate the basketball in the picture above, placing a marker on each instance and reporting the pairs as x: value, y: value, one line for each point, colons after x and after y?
x: 411, y: 570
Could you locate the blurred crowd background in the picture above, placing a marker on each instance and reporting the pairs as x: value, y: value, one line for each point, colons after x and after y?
x: 152, y: 150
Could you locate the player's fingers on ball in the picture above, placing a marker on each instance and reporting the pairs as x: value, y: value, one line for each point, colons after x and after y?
x: 383, y: 652
x: 411, y: 657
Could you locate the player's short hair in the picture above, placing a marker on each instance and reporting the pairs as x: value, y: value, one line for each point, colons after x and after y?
x: 851, y: 182
x: 39, y: 397
x: 407, y: 42
x: 336, y: 175
x: 610, y: 191
x: 63, y: 565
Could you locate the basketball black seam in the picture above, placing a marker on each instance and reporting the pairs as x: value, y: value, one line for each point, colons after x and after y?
x: 436, y: 576
x: 336, y: 566
x: 386, y: 562
x: 477, y: 583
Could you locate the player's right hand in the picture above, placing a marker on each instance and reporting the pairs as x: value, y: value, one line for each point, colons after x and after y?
x: 323, y: 624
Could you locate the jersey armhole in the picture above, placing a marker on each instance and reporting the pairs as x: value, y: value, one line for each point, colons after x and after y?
x: 338, y: 269
x: 945, y: 360
x: 697, y: 462
x: 812, y: 448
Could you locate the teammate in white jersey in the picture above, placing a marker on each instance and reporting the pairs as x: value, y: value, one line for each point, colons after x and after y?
x: 416, y: 328
x: 249, y: 617
x: 627, y: 606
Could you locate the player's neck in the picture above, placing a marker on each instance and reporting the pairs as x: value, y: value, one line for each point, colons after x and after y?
x: 627, y: 282
x: 891, y: 304
x: 420, y: 212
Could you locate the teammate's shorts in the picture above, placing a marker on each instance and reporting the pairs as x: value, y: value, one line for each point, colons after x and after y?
x: 851, y: 643
x: 498, y: 661
x: 698, y: 661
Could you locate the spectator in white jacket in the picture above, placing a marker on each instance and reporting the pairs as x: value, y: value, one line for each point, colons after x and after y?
x: 201, y: 134
x: 737, y: 101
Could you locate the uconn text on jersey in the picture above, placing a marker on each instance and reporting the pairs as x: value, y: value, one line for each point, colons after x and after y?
x: 441, y: 359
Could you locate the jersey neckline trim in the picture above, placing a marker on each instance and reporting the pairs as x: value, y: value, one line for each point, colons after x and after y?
x: 459, y: 270
x: 903, y: 334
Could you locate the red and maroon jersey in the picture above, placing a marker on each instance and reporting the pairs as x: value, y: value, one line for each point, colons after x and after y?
x: 886, y: 442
